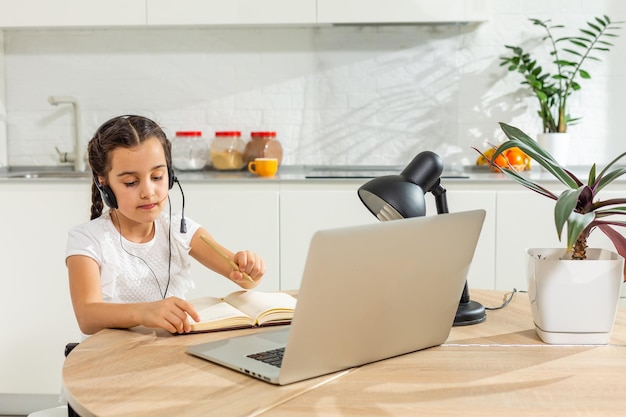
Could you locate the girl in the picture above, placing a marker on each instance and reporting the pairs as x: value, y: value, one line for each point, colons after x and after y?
x: 129, y: 265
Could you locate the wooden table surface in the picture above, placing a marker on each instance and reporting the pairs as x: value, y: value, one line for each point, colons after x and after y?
x: 499, y: 368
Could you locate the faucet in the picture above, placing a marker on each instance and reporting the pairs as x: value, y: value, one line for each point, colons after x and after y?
x: 75, y: 157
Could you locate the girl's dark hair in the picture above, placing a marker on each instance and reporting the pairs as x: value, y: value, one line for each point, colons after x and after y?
x: 122, y: 131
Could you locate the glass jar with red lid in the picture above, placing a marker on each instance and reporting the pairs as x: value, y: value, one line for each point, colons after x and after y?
x: 227, y: 150
x: 263, y: 144
x: 190, y: 151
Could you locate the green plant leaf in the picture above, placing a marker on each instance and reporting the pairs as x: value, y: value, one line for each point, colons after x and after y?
x: 526, y: 182
x: 589, y: 33
x: 564, y: 207
x: 611, y: 212
x: 575, y: 225
x: 606, y: 177
x: 536, y: 152
x: 591, y: 179
x: 565, y: 63
x: 595, y: 27
x: 578, y: 43
x: 584, y: 74
x: 573, y: 52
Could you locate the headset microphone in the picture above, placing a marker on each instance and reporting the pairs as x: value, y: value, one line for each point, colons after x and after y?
x: 183, y: 222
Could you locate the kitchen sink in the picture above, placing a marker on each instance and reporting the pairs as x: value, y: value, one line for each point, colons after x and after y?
x: 43, y: 173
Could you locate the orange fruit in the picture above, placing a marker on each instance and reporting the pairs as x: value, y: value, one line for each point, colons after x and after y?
x: 517, y: 158
x: 500, y: 161
x: 482, y: 160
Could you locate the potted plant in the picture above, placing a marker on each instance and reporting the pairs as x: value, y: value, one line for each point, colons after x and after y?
x: 570, y: 317
x: 553, y: 87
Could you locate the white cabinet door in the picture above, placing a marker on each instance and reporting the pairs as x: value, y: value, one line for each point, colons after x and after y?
x: 482, y: 272
x: 239, y: 216
x: 306, y: 210
x: 35, y: 302
x: 303, y: 211
x: 400, y: 11
x: 67, y: 13
x: 219, y: 12
x: 526, y: 220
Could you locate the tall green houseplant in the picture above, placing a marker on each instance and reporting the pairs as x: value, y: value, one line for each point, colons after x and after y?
x: 552, y: 88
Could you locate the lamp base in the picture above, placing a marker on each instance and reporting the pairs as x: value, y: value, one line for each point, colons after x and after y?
x: 468, y: 313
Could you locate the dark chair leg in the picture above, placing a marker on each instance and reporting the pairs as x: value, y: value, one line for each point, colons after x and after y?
x: 68, y: 348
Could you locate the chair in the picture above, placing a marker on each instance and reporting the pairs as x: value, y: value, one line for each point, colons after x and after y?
x: 62, y: 410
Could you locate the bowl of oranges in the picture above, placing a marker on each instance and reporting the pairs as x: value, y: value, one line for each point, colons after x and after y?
x: 514, y: 157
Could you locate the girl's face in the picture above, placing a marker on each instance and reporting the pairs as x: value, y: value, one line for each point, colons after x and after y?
x: 139, y: 180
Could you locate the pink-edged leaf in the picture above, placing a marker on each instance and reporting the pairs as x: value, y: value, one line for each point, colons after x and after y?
x: 617, y: 239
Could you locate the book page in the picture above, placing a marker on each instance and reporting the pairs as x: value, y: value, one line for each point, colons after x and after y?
x: 217, y: 314
x: 263, y: 306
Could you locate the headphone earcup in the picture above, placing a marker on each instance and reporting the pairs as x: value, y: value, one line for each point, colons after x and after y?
x: 105, y: 192
x: 107, y: 196
x: 171, y: 177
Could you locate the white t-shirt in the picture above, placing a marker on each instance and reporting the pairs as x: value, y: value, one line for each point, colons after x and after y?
x: 136, y: 272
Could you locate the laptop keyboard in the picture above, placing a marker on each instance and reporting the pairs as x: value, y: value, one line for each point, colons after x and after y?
x: 272, y: 357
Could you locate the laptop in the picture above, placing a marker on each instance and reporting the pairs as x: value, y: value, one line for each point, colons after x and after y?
x: 368, y: 293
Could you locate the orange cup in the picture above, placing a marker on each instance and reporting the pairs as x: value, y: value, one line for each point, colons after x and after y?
x: 263, y: 167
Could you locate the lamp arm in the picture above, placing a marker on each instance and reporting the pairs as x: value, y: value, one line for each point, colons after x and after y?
x: 439, y: 192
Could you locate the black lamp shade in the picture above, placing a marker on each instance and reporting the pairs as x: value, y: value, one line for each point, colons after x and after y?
x: 392, y: 197
x: 424, y: 170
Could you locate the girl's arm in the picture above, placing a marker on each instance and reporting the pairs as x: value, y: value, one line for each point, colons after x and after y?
x: 94, y: 315
x: 247, y: 261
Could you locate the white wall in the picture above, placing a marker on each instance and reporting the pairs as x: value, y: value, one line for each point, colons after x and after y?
x: 336, y: 95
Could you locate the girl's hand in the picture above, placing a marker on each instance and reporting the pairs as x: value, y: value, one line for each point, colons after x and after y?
x: 170, y: 314
x: 250, y: 263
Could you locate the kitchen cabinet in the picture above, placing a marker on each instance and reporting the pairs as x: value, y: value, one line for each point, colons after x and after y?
x: 526, y: 220
x: 245, y: 216
x: 38, y: 320
x: 234, y: 12
x: 482, y: 272
x: 400, y: 11
x: 115, y: 13
x: 308, y: 207
x: 34, y: 219
x: 71, y: 13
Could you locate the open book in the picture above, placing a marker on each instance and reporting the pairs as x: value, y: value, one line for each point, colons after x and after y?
x: 242, y: 309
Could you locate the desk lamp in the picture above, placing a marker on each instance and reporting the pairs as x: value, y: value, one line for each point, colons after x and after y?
x: 393, y: 197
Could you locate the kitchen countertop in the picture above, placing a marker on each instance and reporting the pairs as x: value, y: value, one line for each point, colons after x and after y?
x: 471, y: 174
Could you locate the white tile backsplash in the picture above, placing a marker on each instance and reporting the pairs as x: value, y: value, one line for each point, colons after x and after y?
x: 335, y: 95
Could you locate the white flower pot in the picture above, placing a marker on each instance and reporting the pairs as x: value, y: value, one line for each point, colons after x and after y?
x: 557, y: 145
x: 573, y: 301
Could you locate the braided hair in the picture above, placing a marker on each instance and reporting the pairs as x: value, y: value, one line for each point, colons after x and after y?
x: 122, y: 131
